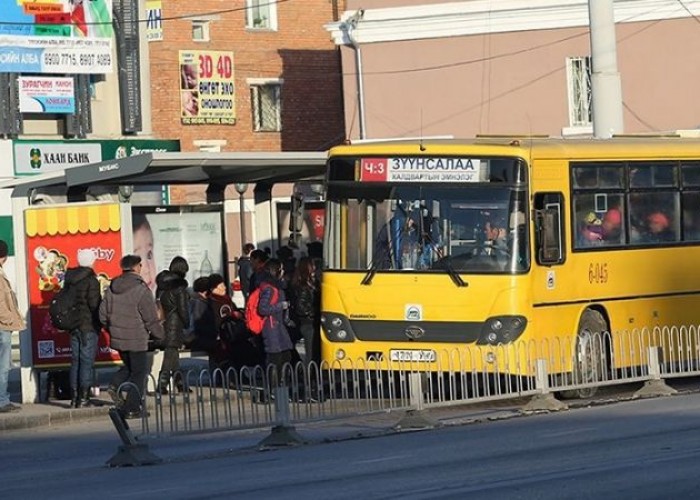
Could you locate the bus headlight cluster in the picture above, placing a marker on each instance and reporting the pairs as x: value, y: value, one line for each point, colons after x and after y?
x: 336, y: 327
x: 501, y: 330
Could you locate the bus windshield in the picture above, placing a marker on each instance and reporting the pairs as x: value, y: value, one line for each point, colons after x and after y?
x: 474, y: 228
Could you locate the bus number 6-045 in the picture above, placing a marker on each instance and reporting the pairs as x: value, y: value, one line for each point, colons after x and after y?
x: 598, y: 273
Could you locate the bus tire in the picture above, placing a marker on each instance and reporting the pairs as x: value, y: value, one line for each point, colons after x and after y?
x: 590, y: 360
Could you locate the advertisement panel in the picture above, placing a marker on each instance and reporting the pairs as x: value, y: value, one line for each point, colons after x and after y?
x: 40, y: 94
x: 56, y: 36
x: 207, y: 95
x: 192, y: 232
x: 54, y: 237
x: 37, y: 157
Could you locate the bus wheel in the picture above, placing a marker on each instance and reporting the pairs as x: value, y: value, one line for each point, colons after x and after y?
x: 590, y: 361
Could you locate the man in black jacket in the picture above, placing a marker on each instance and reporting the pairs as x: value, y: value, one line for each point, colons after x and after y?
x: 175, y: 300
x: 83, y: 341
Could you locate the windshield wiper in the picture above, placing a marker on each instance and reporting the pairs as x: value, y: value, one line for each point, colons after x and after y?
x: 454, y: 275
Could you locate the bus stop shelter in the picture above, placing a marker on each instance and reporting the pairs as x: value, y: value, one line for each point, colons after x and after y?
x: 216, y: 170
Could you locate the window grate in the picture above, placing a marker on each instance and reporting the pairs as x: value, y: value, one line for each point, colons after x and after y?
x: 266, y: 107
x: 579, y: 80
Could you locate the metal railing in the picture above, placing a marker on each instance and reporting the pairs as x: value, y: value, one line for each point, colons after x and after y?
x: 198, y: 400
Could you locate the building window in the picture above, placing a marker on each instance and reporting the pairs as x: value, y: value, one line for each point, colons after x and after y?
x: 267, y: 106
x: 578, y: 71
x: 200, y: 31
x: 261, y: 14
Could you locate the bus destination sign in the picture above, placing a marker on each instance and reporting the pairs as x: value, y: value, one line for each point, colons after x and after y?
x: 422, y: 169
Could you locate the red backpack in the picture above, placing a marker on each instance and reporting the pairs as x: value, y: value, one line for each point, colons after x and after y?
x: 253, y: 321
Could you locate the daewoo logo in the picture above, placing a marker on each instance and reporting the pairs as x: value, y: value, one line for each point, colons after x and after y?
x: 414, y: 332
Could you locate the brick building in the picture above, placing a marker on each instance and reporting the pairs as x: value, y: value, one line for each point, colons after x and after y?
x: 285, y: 74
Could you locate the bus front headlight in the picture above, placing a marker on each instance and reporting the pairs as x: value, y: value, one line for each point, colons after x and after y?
x: 501, y: 330
x: 337, y: 327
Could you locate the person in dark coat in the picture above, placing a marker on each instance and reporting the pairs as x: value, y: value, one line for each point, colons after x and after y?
x: 305, y: 298
x: 128, y: 311
x: 174, y: 298
x: 202, y: 328
x: 273, y: 306
x: 245, y: 269
x: 83, y: 340
x: 257, y: 261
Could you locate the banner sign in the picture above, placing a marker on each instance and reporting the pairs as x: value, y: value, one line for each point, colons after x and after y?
x: 54, y: 237
x: 39, y: 94
x: 56, y: 36
x: 207, y: 92
x: 36, y: 157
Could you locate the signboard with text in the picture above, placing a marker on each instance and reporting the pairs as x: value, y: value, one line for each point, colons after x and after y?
x: 56, y: 36
x: 40, y: 94
x: 207, y: 91
x: 36, y: 157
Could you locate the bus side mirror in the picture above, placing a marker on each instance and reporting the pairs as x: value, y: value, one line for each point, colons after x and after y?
x: 549, y: 244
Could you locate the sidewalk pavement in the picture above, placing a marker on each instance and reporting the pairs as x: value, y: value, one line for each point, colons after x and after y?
x: 52, y: 412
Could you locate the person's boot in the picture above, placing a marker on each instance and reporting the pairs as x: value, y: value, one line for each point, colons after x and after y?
x: 162, y: 388
x: 84, y: 397
x: 74, y: 398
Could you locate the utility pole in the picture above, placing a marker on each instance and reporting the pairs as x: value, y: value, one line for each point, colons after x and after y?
x: 349, y: 27
x: 606, y: 87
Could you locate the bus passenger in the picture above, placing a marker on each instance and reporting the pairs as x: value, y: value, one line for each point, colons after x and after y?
x: 612, y: 226
x: 591, y: 230
x: 658, y: 228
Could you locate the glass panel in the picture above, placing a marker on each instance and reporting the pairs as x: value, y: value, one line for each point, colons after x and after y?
x: 691, y: 174
x: 411, y: 228
x: 599, y: 220
x: 653, y: 175
x: 654, y: 217
x: 691, y: 216
x: 598, y: 175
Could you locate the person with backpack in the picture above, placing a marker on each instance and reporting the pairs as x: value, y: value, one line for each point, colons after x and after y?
x: 81, y: 281
x: 128, y: 311
x: 273, y: 307
x: 172, y: 294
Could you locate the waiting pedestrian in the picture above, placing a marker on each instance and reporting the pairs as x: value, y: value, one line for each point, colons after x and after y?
x: 273, y: 306
x: 128, y: 311
x: 257, y: 262
x: 10, y: 321
x: 245, y: 269
x: 84, y: 338
x: 305, y: 298
x: 174, y: 298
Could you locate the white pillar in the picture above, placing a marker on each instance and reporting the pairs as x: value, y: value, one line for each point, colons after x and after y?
x: 605, y: 80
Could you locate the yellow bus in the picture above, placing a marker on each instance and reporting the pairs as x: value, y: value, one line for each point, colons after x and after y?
x: 504, y: 246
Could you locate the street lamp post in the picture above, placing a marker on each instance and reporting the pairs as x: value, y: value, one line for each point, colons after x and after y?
x: 241, y: 188
x: 349, y: 27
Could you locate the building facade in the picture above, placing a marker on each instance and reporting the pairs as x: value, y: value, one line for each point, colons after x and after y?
x: 463, y: 68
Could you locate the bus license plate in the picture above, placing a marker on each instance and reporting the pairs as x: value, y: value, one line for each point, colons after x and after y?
x: 413, y: 355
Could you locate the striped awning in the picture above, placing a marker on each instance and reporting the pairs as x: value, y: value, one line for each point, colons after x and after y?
x: 72, y: 220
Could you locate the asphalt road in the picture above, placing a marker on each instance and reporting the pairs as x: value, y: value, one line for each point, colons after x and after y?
x: 642, y: 449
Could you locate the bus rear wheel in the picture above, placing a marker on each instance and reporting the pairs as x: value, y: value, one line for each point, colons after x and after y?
x: 590, y: 360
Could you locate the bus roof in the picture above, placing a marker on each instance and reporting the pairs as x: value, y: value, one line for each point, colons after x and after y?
x: 619, y: 147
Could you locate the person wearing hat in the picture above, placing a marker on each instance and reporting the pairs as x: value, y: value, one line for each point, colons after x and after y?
x: 10, y: 321
x: 83, y: 340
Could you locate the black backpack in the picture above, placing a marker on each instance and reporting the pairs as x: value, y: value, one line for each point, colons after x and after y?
x: 63, y: 309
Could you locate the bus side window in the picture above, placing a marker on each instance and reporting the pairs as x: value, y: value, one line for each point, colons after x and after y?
x: 549, y: 228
